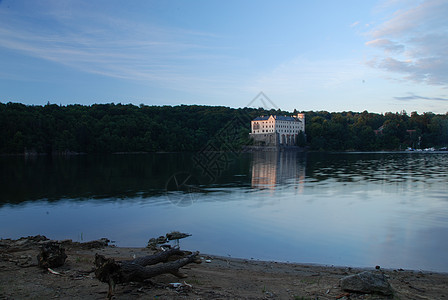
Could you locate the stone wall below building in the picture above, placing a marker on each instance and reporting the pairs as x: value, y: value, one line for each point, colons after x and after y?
x: 265, y: 139
x: 274, y: 139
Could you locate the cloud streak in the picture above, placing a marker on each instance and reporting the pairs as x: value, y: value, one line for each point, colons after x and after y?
x: 300, y: 73
x: 414, y: 42
x: 412, y: 97
x: 111, y: 46
x: 387, y: 45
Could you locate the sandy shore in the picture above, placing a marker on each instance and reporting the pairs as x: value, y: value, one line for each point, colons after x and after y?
x: 215, y: 278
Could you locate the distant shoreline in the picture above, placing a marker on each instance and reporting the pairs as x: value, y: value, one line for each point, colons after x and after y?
x: 246, y: 149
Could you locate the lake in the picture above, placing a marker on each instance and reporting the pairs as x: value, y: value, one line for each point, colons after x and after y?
x: 350, y: 209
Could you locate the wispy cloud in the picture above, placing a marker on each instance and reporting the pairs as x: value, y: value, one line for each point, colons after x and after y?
x: 412, y: 97
x: 317, y: 81
x: 354, y: 24
x: 387, y: 45
x: 87, y: 40
x: 414, y: 41
x: 300, y: 73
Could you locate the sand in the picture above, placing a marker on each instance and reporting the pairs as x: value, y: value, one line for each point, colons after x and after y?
x: 215, y: 278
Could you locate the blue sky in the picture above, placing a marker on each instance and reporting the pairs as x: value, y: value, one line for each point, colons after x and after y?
x: 330, y: 55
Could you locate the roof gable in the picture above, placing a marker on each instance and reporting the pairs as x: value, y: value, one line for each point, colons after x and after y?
x: 279, y: 118
x: 284, y: 118
x: 262, y: 118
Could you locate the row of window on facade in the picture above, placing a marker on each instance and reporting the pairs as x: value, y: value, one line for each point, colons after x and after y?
x: 279, y: 131
x: 257, y: 126
x: 279, y: 124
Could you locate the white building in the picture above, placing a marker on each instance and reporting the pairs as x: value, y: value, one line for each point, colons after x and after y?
x: 277, y: 130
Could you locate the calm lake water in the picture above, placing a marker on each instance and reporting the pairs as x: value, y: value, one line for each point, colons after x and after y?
x: 352, y: 209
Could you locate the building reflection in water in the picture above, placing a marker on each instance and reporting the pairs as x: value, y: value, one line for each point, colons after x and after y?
x: 273, y: 169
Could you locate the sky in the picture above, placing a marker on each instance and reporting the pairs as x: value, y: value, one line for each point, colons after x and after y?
x: 379, y: 56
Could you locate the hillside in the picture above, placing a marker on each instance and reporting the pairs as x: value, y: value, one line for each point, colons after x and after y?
x: 111, y: 128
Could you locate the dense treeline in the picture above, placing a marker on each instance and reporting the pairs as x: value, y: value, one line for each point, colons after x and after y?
x: 369, y: 131
x: 109, y: 128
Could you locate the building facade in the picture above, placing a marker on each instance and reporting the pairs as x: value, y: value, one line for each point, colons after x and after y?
x: 277, y: 130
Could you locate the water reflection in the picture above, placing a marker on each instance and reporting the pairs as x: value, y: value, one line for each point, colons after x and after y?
x: 383, y: 167
x: 86, y: 177
x: 273, y: 169
x: 353, y: 209
x: 128, y: 177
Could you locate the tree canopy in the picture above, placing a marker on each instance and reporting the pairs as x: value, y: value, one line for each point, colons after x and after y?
x: 110, y: 128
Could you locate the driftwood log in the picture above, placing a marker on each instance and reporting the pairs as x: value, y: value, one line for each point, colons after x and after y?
x: 51, y: 255
x: 139, y: 269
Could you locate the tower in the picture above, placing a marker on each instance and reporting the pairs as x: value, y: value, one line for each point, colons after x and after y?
x: 301, y: 117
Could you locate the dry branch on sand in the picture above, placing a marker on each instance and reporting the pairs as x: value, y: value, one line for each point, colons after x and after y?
x: 139, y: 269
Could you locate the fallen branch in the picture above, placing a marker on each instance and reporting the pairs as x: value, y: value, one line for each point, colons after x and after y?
x: 112, y: 272
x: 135, y: 272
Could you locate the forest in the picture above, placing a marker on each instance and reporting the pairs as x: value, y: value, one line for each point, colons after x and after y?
x: 115, y: 128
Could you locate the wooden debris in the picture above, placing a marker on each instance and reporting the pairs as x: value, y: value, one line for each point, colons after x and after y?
x: 51, y: 255
x: 139, y: 269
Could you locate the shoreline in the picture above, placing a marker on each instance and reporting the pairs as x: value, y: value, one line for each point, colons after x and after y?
x: 217, y: 277
x: 318, y: 265
x: 246, y: 149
